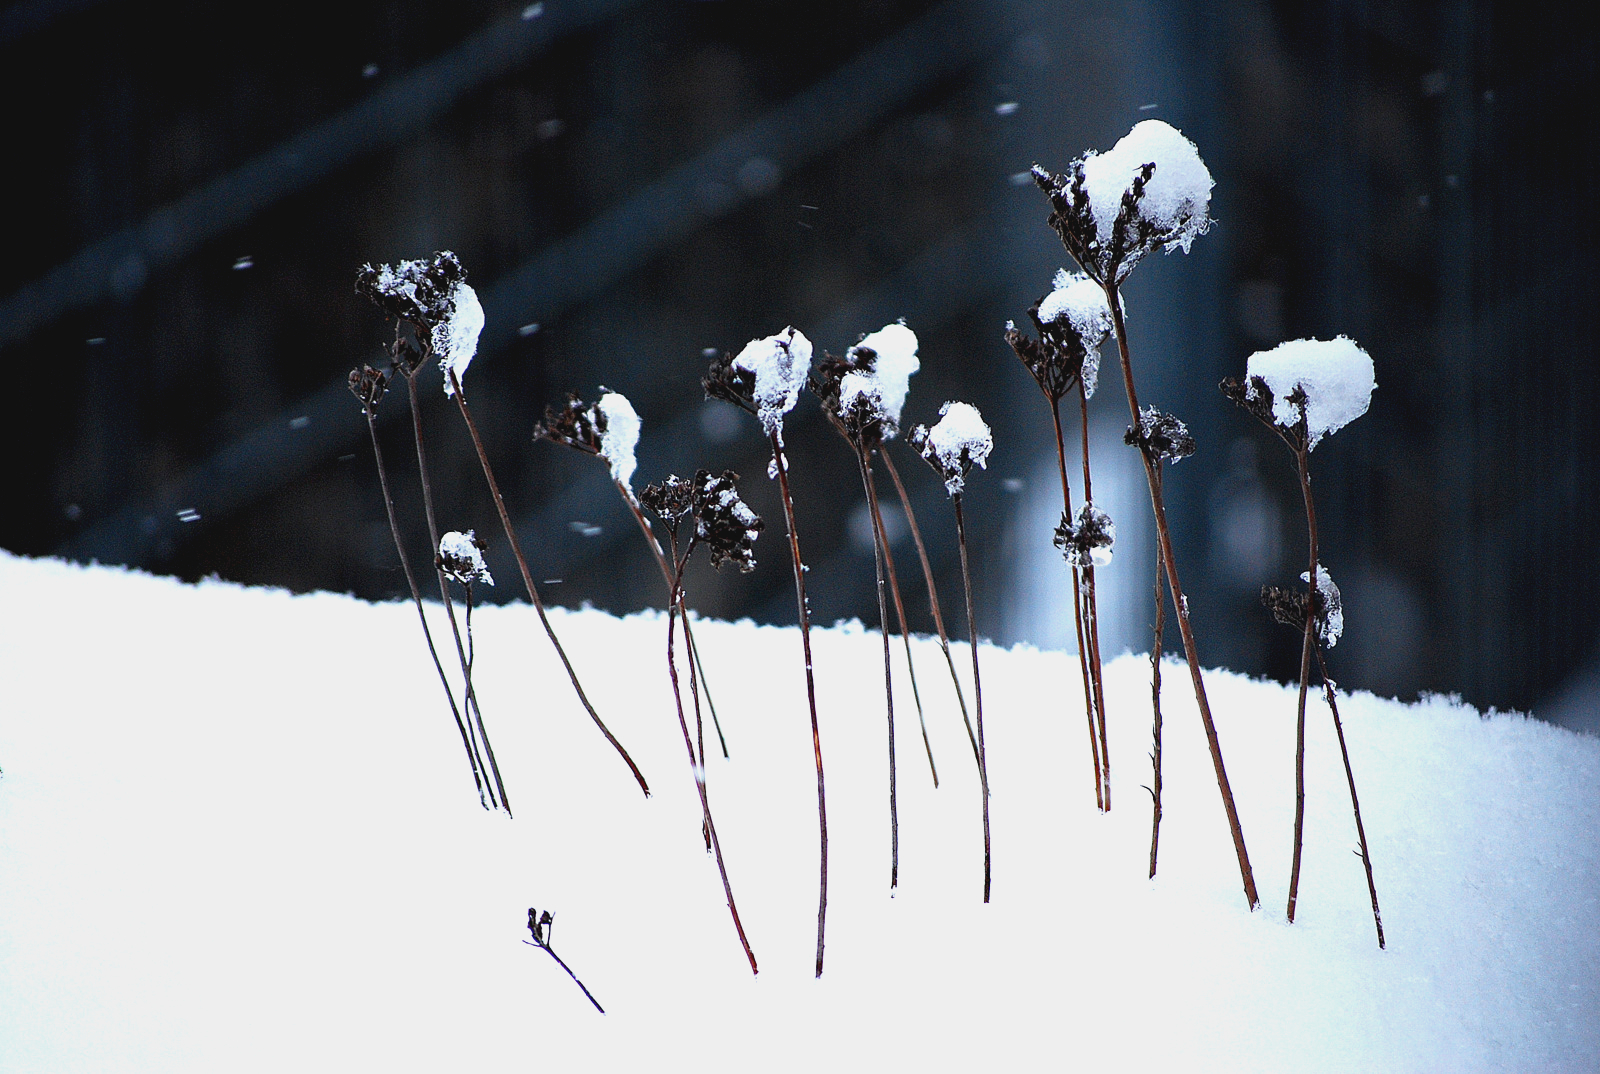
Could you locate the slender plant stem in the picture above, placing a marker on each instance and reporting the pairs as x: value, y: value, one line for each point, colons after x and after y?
x: 1181, y: 603
x: 527, y: 581
x: 1077, y: 616
x: 551, y: 952
x: 1155, y: 706
x: 416, y: 599
x: 696, y: 764
x: 977, y: 689
x: 666, y: 576
x: 888, y: 684
x: 1350, y: 776
x: 1307, y: 641
x: 475, y: 713
x: 933, y: 596
x: 804, y: 608
x: 900, y: 613
x: 1091, y: 612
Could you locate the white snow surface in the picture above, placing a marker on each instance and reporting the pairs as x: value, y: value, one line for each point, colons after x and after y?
x: 237, y: 832
x: 960, y: 431
x: 455, y: 339
x: 1177, y: 197
x: 896, y: 348
x: 1080, y: 303
x: 1336, y: 374
x: 780, y: 365
x: 621, y: 437
x: 461, y: 547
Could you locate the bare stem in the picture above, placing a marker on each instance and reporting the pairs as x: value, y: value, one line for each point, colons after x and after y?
x: 1190, y: 651
x: 547, y: 949
x: 1306, y: 644
x: 416, y: 599
x: 933, y: 597
x: 1077, y: 617
x: 527, y: 581
x: 977, y: 688
x: 804, y: 608
x: 900, y: 613
x: 696, y: 764
x: 1155, y: 705
x: 1091, y: 612
x: 888, y: 684
x: 1350, y: 776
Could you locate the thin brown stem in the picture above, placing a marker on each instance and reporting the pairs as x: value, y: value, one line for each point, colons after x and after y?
x: 696, y: 764
x: 1091, y: 613
x: 1308, y: 641
x: 527, y: 581
x: 551, y: 952
x: 804, y: 608
x: 1350, y: 776
x: 900, y: 613
x: 1155, y: 706
x: 933, y: 596
x: 1181, y: 603
x: 416, y: 599
x: 888, y: 682
x: 1077, y: 615
x: 977, y: 687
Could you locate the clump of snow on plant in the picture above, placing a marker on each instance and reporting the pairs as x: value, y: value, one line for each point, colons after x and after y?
x: 1330, y: 621
x: 1079, y: 304
x: 463, y: 559
x: 959, y: 440
x: 455, y: 336
x: 895, y: 347
x: 780, y: 365
x: 1335, y: 374
x: 620, y: 435
x: 1177, y: 197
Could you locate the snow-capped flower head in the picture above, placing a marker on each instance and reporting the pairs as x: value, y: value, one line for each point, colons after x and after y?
x: 777, y: 367
x: 1327, y: 382
x: 1150, y: 191
x: 461, y: 558
x: 455, y: 336
x: 885, y: 359
x: 433, y: 297
x: 958, y: 441
x: 1076, y: 320
x: 618, y: 425
x: 1088, y: 541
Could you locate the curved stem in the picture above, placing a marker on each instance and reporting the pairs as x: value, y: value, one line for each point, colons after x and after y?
x: 1350, y: 776
x: 1155, y: 705
x: 1091, y: 614
x: 527, y: 582
x: 1190, y: 651
x: 1077, y: 616
x: 899, y: 612
x: 888, y: 683
x: 977, y: 688
x: 1309, y: 639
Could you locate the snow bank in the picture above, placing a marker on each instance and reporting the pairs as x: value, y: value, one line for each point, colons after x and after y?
x: 237, y: 833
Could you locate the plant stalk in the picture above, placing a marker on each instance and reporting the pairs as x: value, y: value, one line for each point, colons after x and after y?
x: 1191, y: 652
x: 1077, y: 616
x: 1155, y: 705
x: 527, y: 581
x: 547, y: 949
x: 977, y: 688
x: 878, y: 542
x: 1091, y: 612
x: 1350, y: 776
x: 900, y: 613
x: 1308, y: 640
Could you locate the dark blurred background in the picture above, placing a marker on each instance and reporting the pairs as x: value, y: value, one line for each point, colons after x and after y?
x: 631, y: 182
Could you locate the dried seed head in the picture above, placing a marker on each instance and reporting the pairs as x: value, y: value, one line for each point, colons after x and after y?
x: 670, y: 500
x: 724, y: 522
x: 433, y: 298
x: 957, y: 442
x: 1089, y: 541
x: 1288, y: 606
x: 573, y: 424
x: 1161, y: 436
x: 368, y: 385
x: 461, y: 558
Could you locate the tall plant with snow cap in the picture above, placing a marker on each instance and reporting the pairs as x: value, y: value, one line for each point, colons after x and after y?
x: 1150, y: 192
x: 1303, y: 391
x: 765, y: 379
x: 446, y: 318
x: 1072, y: 322
x: 959, y: 441
x: 609, y: 431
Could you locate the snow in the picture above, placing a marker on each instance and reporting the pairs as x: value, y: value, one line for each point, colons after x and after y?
x: 463, y: 559
x: 1331, y: 626
x: 455, y: 337
x: 238, y: 834
x: 959, y: 440
x: 1336, y: 375
x: 895, y: 346
x: 780, y: 365
x: 620, y: 436
x: 1177, y: 197
x: 1080, y: 304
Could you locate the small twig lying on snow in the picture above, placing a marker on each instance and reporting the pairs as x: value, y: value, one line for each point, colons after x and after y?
x: 541, y: 926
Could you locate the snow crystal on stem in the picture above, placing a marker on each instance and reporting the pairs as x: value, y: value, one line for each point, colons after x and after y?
x: 619, y: 435
x: 1177, y: 197
x: 1079, y: 304
x: 461, y: 556
x: 1330, y: 616
x: 780, y: 365
x: 958, y: 441
x: 895, y: 359
x: 1336, y: 376
x: 455, y: 336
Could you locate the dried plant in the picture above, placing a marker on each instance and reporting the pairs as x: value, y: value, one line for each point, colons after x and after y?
x: 542, y: 926
x: 1150, y: 192
x: 723, y: 523
x: 956, y: 443
x: 765, y: 379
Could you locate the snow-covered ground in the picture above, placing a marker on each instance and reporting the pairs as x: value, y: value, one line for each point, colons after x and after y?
x: 238, y: 832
